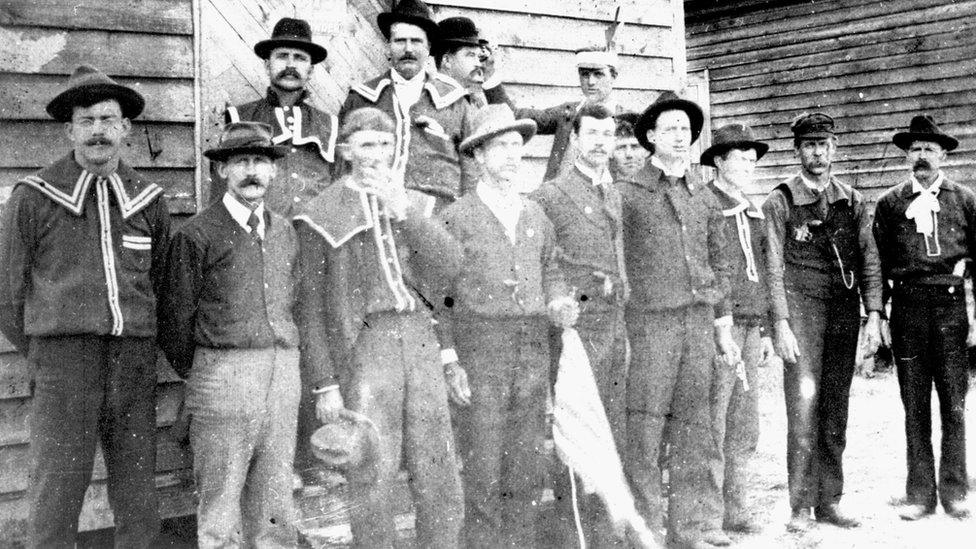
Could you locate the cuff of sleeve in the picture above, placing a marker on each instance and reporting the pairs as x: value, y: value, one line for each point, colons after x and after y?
x: 326, y: 389
x: 724, y: 322
x: 491, y: 83
x: 448, y: 356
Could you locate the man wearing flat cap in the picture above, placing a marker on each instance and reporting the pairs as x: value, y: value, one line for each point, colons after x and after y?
x: 460, y: 54
x: 82, y: 249
x: 228, y: 327
x: 735, y: 405
x: 821, y: 257
x: 290, y: 57
x: 678, y: 318
x: 926, y: 230
x: 430, y: 110
x: 499, y: 308
x: 597, y: 69
x: 367, y: 254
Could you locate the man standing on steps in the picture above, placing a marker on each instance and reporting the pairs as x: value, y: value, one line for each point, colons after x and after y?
x: 821, y: 258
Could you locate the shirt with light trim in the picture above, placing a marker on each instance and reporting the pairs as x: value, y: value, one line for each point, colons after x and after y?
x: 407, y: 92
x: 241, y: 213
x: 597, y: 179
x: 506, y: 207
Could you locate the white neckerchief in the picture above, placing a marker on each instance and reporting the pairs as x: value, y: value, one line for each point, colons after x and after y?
x: 741, y: 213
x: 241, y: 213
x: 597, y: 179
x: 656, y: 162
x: 505, y: 206
x: 407, y: 92
x: 924, y: 210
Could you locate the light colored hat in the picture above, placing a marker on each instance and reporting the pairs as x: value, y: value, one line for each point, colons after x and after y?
x: 495, y: 120
x: 595, y: 59
x: 350, y: 445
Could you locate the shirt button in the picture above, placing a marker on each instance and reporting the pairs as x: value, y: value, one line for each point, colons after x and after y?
x: 588, y: 210
x: 298, y: 199
x: 952, y: 290
x: 294, y: 175
x: 293, y: 149
x: 687, y: 257
x: 683, y: 228
x: 289, y: 120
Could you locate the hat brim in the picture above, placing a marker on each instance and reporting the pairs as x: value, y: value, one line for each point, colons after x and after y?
x: 221, y: 155
x: 903, y: 140
x: 385, y: 20
x: 708, y: 157
x: 62, y: 106
x: 363, y: 467
x: 470, y: 42
x: 527, y: 128
x: 650, y: 114
x: 318, y: 54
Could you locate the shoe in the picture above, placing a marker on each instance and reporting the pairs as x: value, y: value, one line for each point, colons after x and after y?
x: 914, y: 511
x: 716, y: 538
x: 741, y: 526
x: 956, y: 509
x: 830, y: 514
x: 800, y: 520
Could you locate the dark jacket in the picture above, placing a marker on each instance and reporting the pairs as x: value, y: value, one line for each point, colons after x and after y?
x: 76, y: 260
x: 433, y: 130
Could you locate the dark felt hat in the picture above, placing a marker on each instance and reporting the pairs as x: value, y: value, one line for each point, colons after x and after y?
x: 350, y: 445
x: 668, y: 101
x: 459, y: 31
x: 291, y: 33
x: 812, y: 125
x: 494, y: 120
x: 923, y: 128
x: 732, y: 136
x: 413, y: 12
x: 245, y: 138
x: 87, y: 86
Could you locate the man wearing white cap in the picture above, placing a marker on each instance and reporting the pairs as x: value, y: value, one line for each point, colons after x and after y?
x: 597, y: 70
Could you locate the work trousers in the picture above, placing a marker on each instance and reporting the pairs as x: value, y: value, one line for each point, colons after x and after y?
x: 87, y: 390
x: 929, y: 328
x: 817, y: 389
x: 735, y: 426
x: 244, y: 411
x: 604, y: 336
x: 504, y: 463
x: 397, y: 381
x: 669, y: 385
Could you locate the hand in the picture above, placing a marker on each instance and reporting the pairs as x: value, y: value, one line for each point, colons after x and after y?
x: 457, y: 384
x: 766, y: 350
x: 886, y: 333
x: 328, y: 405
x: 390, y: 192
x: 487, y: 61
x: 563, y: 312
x: 785, y: 342
x: 872, y: 334
x: 728, y: 349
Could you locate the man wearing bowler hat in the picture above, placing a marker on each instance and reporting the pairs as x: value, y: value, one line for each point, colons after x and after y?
x: 430, y: 110
x: 926, y: 230
x: 290, y: 57
x: 735, y: 405
x: 460, y: 54
x: 82, y: 250
x: 821, y: 257
x: 227, y: 326
x: 678, y: 318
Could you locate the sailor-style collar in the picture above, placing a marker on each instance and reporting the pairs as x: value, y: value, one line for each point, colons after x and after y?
x: 66, y: 183
x: 338, y: 213
x: 290, y: 123
x: 443, y: 90
x: 735, y: 203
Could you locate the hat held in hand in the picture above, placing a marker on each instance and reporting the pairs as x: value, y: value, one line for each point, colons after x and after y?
x: 350, y: 445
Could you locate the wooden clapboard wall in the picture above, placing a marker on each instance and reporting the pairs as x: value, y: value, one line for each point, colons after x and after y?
x: 870, y: 64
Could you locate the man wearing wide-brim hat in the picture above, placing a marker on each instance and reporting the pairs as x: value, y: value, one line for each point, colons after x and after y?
x: 227, y: 327
x: 822, y: 265
x: 735, y: 405
x: 431, y: 112
x: 508, y: 291
x: 925, y: 229
x: 82, y: 246
x: 290, y: 57
x: 678, y: 318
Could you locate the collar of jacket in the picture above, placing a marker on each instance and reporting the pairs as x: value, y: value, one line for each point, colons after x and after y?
x: 67, y: 183
x: 271, y: 97
x: 732, y: 205
x: 308, y: 124
x: 442, y: 89
x: 338, y: 213
x: 804, y: 195
x: 650, y: 177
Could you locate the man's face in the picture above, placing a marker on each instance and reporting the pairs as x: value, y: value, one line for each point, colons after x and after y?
x: 925, y: 158
x: 737, y: 166
x: 628, y: 155
x: 248, y: 176
x: 595, y: 140
x: 596, y: 84
x: 671, y: 135
x: 370, y: 153
x: 289, y: 69
x: 465, y: 66
x: 409, y: 49
x: 501, y: 157
x: 96, y: 132
x: 816, y: 154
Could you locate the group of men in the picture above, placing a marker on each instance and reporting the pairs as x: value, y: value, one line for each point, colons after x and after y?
x: 372, y: 290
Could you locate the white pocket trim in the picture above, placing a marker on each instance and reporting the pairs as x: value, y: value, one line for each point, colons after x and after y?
x: 134, y: 242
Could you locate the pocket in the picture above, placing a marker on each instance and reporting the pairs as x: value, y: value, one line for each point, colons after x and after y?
x: 137, y: 242
x: 135, y: 256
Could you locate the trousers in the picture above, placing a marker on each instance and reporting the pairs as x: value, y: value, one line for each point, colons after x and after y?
x: 89, y: 390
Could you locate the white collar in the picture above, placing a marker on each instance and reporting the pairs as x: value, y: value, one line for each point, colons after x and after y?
x: 597, y: 179
x: 657, y: 163
x: 241, y: 213
x: 813, y: 185
x: 933, y: 188
x: 416, y: 82
x: 505, y: 206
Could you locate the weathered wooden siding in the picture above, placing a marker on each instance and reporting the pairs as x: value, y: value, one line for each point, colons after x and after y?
x: 870, y: 64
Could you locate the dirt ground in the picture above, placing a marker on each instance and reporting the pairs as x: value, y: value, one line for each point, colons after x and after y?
x: 874, y: 466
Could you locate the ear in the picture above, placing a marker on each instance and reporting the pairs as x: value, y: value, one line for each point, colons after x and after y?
x: 650, y: 136
x: 221, y: 169
x: 126, y: 127
x: 67, y: 129
x: 344, y: 152
x: 479, y: 154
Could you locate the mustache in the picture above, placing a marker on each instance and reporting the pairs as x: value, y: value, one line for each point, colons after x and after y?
x: 289, y: 71
x: 408, y: 57
x: 251, y: 181
x: 99, y: 141
x: 922, y: 164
